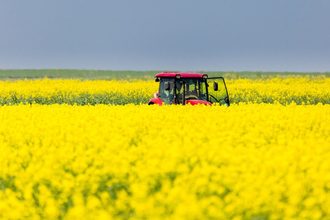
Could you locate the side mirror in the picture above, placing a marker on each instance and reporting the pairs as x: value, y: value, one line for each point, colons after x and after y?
x: 215, y: 86
x: 167, y: 86
x: 157, y: 80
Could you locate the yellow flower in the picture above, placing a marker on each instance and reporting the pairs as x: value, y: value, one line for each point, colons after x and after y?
x: 176, y: 162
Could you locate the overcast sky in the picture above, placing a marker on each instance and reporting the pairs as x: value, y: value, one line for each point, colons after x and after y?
x: 266, y: 35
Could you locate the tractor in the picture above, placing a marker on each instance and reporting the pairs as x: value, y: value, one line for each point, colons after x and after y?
x: 189, y: 88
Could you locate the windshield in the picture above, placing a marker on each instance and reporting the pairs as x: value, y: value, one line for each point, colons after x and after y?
x: 193, y: 89
x: 171, y: 90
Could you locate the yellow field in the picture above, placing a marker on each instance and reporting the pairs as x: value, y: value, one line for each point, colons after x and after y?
x: 261, y: 161
x: 301, y: 90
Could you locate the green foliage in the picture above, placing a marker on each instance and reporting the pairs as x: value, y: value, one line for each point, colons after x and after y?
x: 127, y: 74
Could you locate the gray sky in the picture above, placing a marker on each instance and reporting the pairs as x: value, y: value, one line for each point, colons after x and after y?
x: 266, y: 35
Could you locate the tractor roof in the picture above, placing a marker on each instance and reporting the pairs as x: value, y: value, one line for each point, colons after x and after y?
x: 180, y: 74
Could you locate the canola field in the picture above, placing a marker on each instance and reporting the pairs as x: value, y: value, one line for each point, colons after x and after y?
x: 65, y: 155
x: 284, y: 90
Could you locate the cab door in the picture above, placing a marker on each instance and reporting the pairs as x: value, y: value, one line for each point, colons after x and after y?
x: 166, y: 90
x: 217, y: 90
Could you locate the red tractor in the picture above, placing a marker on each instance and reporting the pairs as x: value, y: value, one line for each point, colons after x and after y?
x: 189, y: 88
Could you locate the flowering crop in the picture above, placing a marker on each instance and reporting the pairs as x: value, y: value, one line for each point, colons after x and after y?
x: 301, y: 90
x: 49, y: 91
x: 261, y: 161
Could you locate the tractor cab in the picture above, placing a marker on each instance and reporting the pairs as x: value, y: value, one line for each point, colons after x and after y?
x: 189, y: 88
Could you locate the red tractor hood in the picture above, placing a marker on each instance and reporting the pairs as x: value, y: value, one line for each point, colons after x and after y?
x: 159, y: 101
x: 198, y: 102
